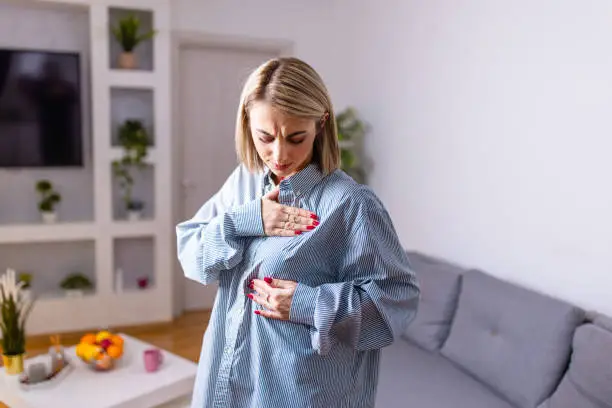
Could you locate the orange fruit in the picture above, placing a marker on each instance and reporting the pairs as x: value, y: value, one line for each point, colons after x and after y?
x: 116, y: 340
x: 89, y: 351
x: 80, y: 349
x: 89, y: 338
x: 114, y: 351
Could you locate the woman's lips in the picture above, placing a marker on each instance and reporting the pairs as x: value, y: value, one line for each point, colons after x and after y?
x: 281, y: 166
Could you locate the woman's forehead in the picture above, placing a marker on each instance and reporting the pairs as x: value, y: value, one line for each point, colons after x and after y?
x: 265, y: 115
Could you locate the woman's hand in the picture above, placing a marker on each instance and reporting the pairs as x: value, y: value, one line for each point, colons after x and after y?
x: 282, y: 220
x: 274, y: 295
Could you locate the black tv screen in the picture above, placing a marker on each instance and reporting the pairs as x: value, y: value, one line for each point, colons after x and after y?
x: 40, y: 109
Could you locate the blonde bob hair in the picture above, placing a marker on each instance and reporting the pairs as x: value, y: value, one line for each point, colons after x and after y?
x: 294, y: 87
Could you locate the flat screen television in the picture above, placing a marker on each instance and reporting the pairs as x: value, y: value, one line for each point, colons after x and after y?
x: 40, y: 109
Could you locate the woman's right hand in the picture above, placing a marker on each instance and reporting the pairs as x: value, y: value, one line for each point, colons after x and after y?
x: 282, y: 220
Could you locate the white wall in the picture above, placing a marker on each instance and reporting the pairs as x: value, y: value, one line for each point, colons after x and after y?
x: 309, y: 26
x: 491, y: 134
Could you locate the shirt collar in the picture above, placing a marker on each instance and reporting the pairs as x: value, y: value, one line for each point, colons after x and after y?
x: 301, y: 182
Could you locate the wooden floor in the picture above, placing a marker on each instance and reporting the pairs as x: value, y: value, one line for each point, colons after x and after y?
x: 182, y: 337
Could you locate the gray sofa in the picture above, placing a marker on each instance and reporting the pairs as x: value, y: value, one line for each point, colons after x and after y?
x: 481, y: 342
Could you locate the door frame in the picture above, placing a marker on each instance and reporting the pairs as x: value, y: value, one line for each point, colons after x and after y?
x: 181, y: 40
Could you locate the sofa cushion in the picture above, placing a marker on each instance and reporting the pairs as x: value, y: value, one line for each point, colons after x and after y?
x: 604, y: 321
x: 515, y: 340
x: 588, y: 381
x: 439, y: 282
x: 412, y: 377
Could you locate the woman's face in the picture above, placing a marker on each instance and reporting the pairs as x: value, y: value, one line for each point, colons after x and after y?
x: 283, y: 142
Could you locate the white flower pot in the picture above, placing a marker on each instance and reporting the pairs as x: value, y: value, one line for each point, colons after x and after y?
x: 134, y: 215
x: 49, y: 217
x: 27, y: 294
x: 73, y: 293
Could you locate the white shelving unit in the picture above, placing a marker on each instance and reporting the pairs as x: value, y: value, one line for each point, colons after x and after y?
x: 62, y: 232
x: 123, y: 79
x: 106, y: 307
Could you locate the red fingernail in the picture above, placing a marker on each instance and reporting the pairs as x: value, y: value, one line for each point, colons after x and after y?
x: 257, y: 312
x: 298, y: 232
x: 315, y: 223
x: 314, y: 217
x: 250, y: 296
x: 310, y: 227
x: 268, y: 280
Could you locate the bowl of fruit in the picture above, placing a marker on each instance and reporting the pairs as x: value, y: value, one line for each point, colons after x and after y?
x: 101, y: 350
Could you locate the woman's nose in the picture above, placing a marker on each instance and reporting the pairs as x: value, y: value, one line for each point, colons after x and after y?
x: 279, y: 152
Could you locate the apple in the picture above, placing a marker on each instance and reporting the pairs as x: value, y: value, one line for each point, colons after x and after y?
x: 106, y: 343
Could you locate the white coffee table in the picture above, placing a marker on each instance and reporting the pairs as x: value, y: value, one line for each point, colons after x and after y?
x: 128, y: 385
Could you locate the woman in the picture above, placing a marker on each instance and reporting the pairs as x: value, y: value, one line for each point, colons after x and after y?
x: 313, y: 281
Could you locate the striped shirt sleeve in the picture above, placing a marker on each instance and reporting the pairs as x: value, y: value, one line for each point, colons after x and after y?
x: 214, y: 239
x: 376, y: 297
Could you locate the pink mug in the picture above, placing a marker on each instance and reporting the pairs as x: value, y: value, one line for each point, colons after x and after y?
x: 153, y: 358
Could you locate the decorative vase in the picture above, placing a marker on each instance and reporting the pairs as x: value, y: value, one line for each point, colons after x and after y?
x: 134, y: 215
x: 142, y: 282
x: 49, y: 217
x: 127, y: 60
x: 13, y: 365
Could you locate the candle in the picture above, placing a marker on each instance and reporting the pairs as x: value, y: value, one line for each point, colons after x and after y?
x: 37, y: 372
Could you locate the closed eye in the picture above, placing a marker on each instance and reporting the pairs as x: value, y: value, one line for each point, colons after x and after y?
x: 293, y: 137
x: 266, y: 139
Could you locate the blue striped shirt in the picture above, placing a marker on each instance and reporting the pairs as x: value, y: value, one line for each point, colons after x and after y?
x: 356, y: 293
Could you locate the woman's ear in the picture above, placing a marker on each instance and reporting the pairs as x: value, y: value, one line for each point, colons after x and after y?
x: 324, y: 120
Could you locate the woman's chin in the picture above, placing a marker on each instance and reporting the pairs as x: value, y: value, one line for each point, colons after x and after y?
x: 284, y: 173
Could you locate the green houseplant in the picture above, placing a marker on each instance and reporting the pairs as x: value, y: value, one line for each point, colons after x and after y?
x: 49, y: 198
x: 134, y: 139
x: 351, y: 130
x: 127, y: 34
x: 26, y: 278
x: 75, y: 284
x: 14, y: 311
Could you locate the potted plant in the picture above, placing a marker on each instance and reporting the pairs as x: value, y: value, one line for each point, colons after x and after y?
x: 134, y: 139
x: 127, y: 34
x: 75, y: 284
x: 25, y: 278
x: 350, y: 134
x: 48, y: 200
x: 14, y: 311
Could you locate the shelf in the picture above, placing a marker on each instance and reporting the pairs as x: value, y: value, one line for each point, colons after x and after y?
x: 61, y: 231
x: 134, y: 264
x: 66, y: 232
x: 134, y: 104
x: 117, y: 154
x: 131, y: 79
x: 61, y: 295
x: 134, y: 229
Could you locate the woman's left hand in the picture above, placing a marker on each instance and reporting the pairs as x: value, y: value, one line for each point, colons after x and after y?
x: 274, y: 295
